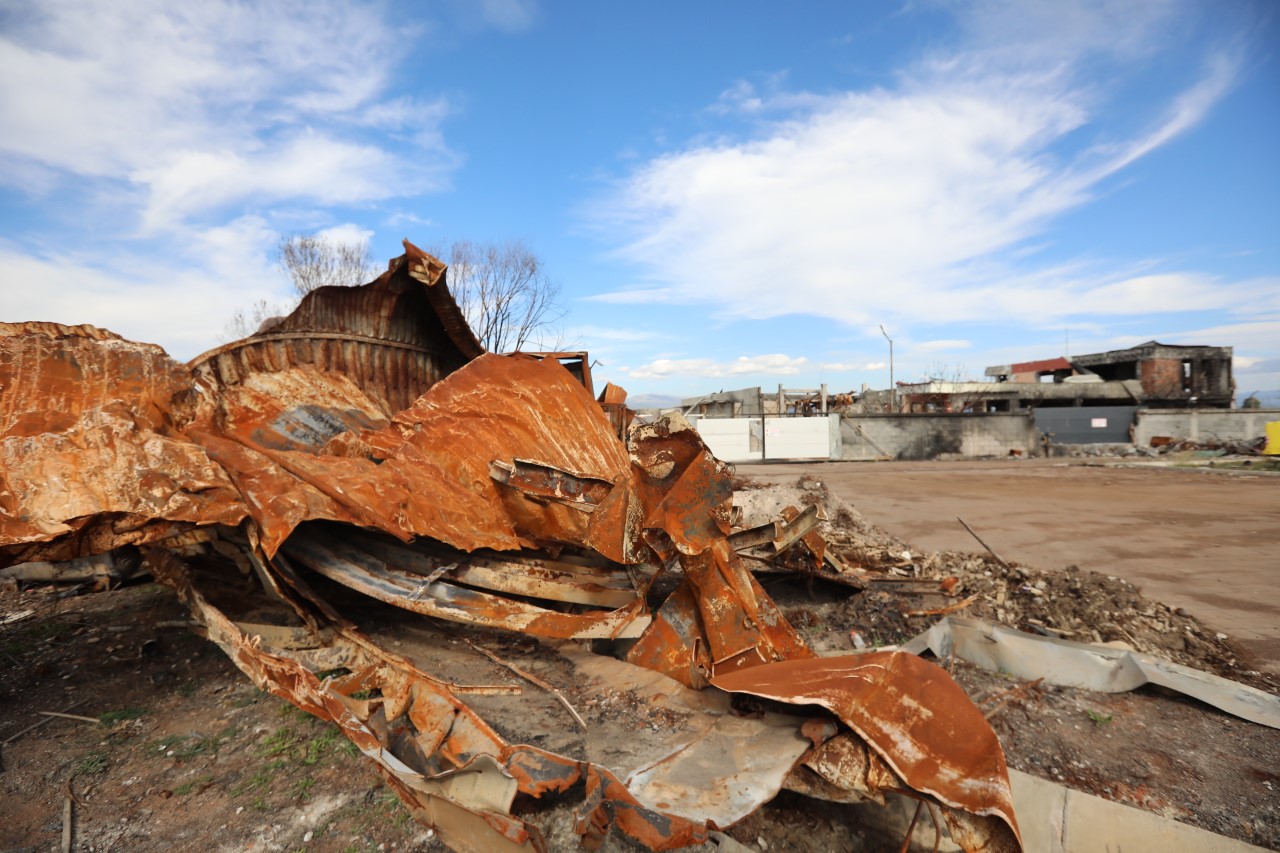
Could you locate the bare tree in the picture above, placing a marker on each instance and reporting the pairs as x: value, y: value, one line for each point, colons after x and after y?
x: 244, y: 323
x: 505, y: 295
x: 313, y: 260
x: 310, y: 261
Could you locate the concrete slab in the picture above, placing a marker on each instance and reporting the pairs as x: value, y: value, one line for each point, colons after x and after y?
x: 1055, y: 819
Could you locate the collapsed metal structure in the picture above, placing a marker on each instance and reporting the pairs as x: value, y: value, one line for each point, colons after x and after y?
x: 367, y: 442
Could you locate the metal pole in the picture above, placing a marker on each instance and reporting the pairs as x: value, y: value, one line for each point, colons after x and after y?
x: 893, y: 389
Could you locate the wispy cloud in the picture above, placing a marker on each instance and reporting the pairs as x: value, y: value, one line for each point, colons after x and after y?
x: 637, y: 296
x: 772, y: 365
x: 917, y: 201
x: 846, y: 367
x: 190, y: 107
x: 179, y: 140
x: 942, y: 345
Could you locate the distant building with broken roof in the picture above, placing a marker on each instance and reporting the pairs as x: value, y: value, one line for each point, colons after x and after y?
x: 1166, y: 376
x: 1152, y: 375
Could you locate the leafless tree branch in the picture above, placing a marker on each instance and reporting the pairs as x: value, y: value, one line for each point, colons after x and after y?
x: 505, y: 295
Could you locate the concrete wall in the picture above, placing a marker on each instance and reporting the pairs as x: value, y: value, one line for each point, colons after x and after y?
x: 1203, y: 424
x: 930, y: 436
x: 738, y: 439
x: 731, y: 439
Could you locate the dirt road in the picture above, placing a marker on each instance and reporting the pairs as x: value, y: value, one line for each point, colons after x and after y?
x: 1202, y: 540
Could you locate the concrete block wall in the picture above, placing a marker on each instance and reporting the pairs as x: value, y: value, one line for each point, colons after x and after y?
x: 931, y: 436
x: 1202, y: 424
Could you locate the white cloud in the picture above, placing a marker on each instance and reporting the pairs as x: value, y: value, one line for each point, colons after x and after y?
x: 184, y: 307
x: 348, y: 233
x: 188, y: 107
x: 845, y: 367
x: 509, y: 15
x: 939, y: 346
x: 188, y: 136
x: 773, y: 365
x: 636, y: 296
x: 914, y: 202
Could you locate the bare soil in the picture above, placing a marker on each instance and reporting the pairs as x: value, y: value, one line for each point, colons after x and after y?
x: 1200, y: 538
x: 185, y: 753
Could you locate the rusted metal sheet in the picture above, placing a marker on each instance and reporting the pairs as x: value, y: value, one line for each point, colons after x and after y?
x: 461, y: 776
x: 535, y: 576
x: 365, y: 573
x: 393, y: 338
x: 374, y: 409
x: 911, y: 713
x: 88, y: 461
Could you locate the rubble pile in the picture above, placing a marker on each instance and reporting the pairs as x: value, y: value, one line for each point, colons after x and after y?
x: 1072, y: 603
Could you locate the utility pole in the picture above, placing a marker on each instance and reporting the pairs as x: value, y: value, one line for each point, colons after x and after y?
x: 893, y: 389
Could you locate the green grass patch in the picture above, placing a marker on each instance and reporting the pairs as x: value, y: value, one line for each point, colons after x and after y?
x: 94, y: 762
x: 122, y: 714
x: 1099, y: 719
x: 187, y: 787
x: 301, y: 788
x: 282, y: 742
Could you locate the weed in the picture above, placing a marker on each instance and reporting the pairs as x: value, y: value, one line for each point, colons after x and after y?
x: 256, y: 782
x: 326, y: 741
x: 301, y: 789
x: 198, y: 745
x: 187, y: 689
x: 348, y: 748
x: 280, y: 743
x: 187, y: 787
x: 293, y: 711
x: 1099, y: 719
x: 94, y: 762
x: 123, y: 714
x: 261, y: 804
x: 189, y: 746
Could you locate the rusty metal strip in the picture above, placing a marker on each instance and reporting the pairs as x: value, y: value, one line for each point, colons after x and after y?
x: 537, y: 577
x: 799, y: 525
x: 365, y: 573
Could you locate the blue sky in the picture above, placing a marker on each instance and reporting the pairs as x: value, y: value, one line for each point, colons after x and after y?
x: 729, y: 194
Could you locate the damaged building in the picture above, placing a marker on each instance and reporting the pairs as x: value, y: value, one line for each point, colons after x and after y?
x: 342, y: 497
x: 1153, y: 374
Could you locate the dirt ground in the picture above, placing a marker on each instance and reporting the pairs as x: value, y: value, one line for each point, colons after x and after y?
x: 181, y: 751
x: 1202, y: 539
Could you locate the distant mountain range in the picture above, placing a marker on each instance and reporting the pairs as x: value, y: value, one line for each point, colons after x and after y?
x: 652, y: 401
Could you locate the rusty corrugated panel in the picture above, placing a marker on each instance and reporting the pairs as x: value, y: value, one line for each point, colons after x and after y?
x: 911, y: 713
x: 394, y: 337
x: 300, y: 424
x: 88, y: 461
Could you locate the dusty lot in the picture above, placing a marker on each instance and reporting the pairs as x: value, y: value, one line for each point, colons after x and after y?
x: 1204, y: 540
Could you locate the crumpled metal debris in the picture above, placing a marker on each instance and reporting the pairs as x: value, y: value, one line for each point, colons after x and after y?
x: 367, y: 441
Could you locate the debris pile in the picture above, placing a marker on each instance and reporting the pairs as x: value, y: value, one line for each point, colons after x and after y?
x: 904, y: 592
x: 364, y: 452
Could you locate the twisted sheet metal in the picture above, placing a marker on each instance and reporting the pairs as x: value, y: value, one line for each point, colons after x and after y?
x: 88, y: 458
x: 106, y: 442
